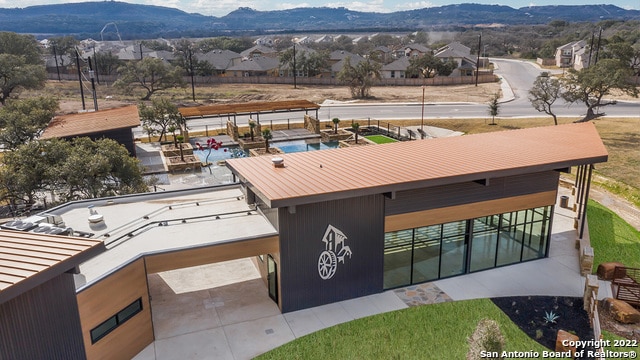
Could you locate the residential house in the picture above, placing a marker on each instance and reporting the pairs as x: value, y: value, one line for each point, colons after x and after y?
x: 221, y: 60
x: 396, y: 69
x: 461, y: 55
x: 353, y: 60
x: 324, y: 39
x: 382, y: 54
x: 257, y: 66
x: 566, y: 54
x: 259, y: 51
x: 416, y: 50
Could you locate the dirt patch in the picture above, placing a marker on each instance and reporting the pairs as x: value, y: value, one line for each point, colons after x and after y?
x: 68, y: 93
x: 607, y: 322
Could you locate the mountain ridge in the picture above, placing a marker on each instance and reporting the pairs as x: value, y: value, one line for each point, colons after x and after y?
x: 148, y: 21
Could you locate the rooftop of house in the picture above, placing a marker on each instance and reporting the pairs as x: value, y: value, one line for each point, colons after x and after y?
x: 92, y: 122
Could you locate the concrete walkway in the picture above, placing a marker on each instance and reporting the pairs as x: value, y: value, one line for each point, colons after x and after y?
x: 222, y: 311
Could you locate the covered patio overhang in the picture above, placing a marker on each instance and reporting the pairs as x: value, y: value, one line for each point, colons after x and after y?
x: 252, y: 108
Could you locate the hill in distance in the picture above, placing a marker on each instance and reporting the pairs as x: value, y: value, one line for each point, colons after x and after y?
x: 134, y: 21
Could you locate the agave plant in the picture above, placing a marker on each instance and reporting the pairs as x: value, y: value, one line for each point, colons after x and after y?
x: 550, y: 317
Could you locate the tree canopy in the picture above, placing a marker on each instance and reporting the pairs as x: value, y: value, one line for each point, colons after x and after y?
x: 23, y: 120
x: 25, y: 46
x: 590, y: 85
x: 71, y: 170
x: 544, y: 93
x: 160, y: 116
x: 21, y: 66
x: 361, y: 77
x: 428, y: 66
x: 149, y: 74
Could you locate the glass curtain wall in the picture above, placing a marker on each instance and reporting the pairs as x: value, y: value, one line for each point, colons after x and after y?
x: 433, y: 252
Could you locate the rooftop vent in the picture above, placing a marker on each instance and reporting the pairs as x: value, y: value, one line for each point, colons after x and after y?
x: 278, y: 162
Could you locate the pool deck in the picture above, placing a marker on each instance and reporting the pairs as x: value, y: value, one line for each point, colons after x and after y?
x: 151, y: 158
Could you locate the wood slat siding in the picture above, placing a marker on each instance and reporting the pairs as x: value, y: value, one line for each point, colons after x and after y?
x: 467, y: 211
x: 361, y: 220
x: 42, y: 323
x: 471, y: 192
x: 211, y: 254
x: 107, y: 297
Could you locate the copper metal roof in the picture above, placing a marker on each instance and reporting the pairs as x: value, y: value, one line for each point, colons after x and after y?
x: 247, y: 108
x: 92, y: 122
x: 314, y: 176
x: 28, y: 259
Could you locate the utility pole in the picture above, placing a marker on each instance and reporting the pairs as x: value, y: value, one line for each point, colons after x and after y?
x: 478, y: 61
x: 295, y: 85
x: 95, y: 63
x: 422, y: 117
x: 193, y: 88
x: 55, y: 56
x: 93, y: 85
x: 80, y: 79
x: 598, y: 50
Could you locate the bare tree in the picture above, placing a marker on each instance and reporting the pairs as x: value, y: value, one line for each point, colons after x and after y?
x: 544, y: 93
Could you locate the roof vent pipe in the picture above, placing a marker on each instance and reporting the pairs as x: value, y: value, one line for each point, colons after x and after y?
x: 278, y: 162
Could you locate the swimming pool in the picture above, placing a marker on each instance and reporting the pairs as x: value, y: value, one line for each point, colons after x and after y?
x: 305, y: 145
x: 294, y: 146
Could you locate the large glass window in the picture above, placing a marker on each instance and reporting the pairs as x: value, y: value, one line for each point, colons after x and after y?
x: 439, y: 251
x: 426, y: 253
x: 398, y: 250
x: 454, y: 249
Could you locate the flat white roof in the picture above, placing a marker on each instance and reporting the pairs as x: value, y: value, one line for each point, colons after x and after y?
x: 160, y: 222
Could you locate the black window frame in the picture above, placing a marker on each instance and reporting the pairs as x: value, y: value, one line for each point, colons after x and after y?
x: 118, y: 319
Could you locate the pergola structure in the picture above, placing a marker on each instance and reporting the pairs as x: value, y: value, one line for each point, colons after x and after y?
x: 251, y: 108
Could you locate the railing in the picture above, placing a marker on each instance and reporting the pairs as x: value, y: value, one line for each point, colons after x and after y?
x: 626, y: 282
x: 594, y: 318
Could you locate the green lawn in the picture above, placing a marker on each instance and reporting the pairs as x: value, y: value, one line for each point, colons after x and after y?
x: 612, y: 238
x: 438, y: 331
x: 381, y: 139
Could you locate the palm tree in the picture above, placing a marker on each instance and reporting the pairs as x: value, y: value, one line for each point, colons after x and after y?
x: 355, y: 127
x: 266, y: 135
x: 335, y: 121
x: 180, y: 139
x: 252, y: 126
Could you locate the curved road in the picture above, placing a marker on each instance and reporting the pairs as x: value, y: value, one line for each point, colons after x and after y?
x: 518, y: 77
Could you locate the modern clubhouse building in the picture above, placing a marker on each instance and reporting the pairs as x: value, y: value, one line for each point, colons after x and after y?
x: 321, y: 226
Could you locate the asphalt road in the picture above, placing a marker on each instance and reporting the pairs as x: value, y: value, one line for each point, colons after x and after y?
x: 518, y: 77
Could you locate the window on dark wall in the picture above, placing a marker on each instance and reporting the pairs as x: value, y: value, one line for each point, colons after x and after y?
x: 438, y: 251
x: 116, y: 320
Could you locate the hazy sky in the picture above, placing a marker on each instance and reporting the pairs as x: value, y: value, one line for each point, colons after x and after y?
x: 223, y: 7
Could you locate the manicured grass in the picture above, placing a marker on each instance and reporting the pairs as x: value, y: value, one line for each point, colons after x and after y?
x: 612, y: 238
x: 381, y: 139
x: 438, y: 331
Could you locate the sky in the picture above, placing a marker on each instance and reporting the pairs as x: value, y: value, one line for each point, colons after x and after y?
x: 223, y: 7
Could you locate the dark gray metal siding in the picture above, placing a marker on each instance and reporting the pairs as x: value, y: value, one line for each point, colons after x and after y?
x: 362, y: 222
x: 471, y: 192
x: 42, y: 323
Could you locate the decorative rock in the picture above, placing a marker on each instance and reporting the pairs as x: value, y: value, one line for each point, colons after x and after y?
x: 567, y: 338
x: 606, y: 270
x: 622, y: 311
